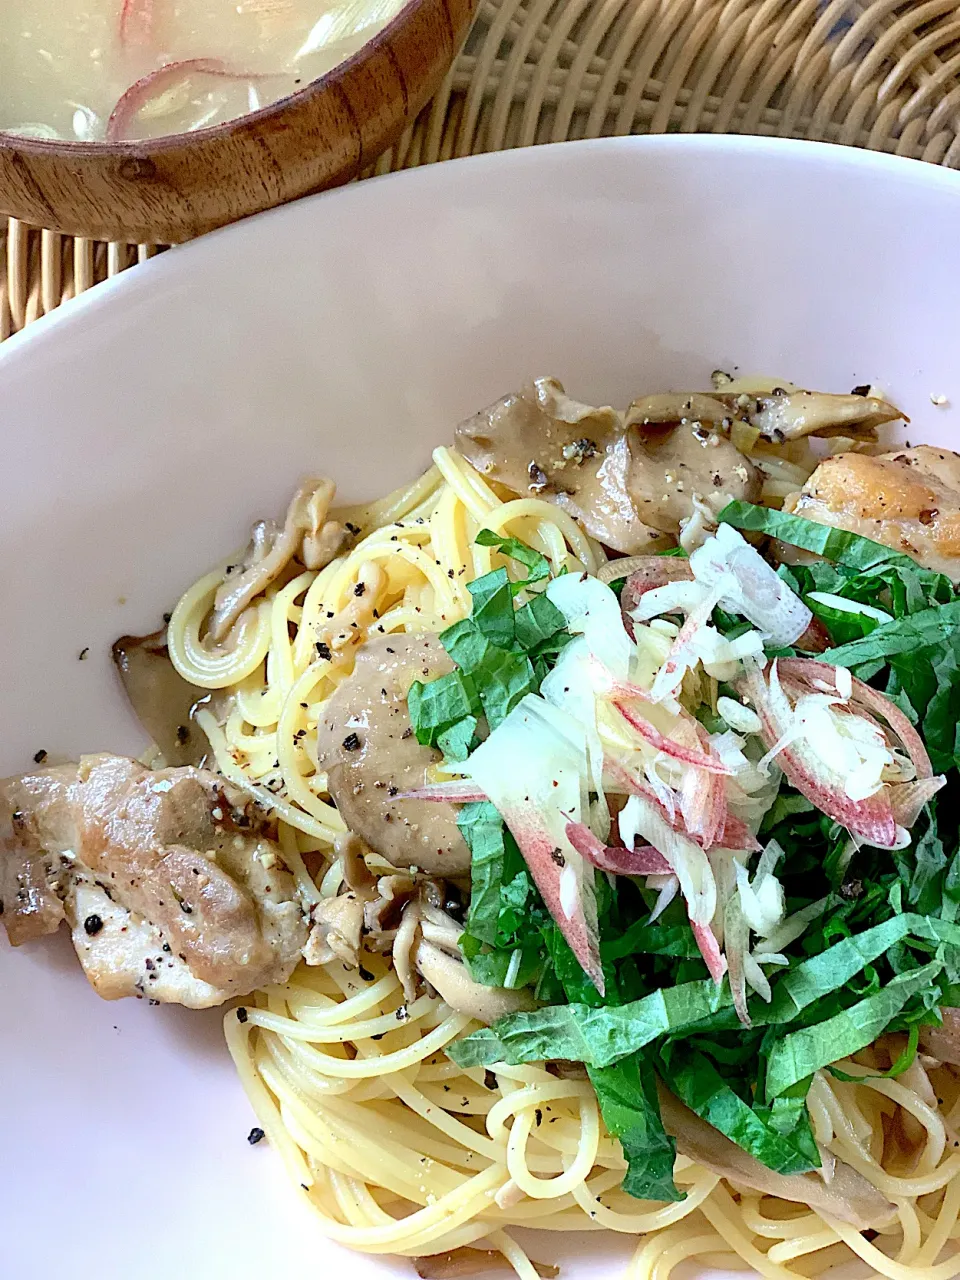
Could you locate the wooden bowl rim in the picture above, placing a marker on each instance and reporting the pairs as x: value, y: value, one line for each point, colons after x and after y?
x: 173, y: 141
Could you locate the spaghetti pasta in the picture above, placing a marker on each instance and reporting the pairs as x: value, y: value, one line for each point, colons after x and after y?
x: 398, y: 1149
x: 379, y: 1139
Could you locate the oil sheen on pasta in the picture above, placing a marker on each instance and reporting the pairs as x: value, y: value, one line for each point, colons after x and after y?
x: 85, y: 70
x: 396, y: 1148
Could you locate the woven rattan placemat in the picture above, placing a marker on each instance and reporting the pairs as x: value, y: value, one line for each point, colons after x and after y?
x: 868, y: 73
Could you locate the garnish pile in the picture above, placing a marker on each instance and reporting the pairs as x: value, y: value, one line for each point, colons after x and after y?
x: 708, y: 824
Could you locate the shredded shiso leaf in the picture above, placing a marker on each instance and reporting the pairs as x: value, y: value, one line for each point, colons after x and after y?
x: 869, y: 939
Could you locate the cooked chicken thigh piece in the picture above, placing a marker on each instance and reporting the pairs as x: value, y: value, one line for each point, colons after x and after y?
x: 908, y: 500
x: 168, y: 879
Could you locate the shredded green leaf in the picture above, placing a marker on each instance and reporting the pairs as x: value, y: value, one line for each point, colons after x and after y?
x: 536, y: 564
x: 437, y: 706
x: 917, y: 631
x: 599, y: 1036
x: 595, y: 1036
x: 627, y: 1093
x: 501, y: 652
x: 505, y: 913
x: 833, y: 544
x: 799, y: 1054
x: 492, y: 613
x: 698, y: 1083
x: 880, y: 945
x: 504, y: 679
x: 537, y: 622
x: 490, y: 845
x: 458, y: 741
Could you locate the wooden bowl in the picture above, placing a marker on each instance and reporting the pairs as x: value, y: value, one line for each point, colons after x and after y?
x: 169, y: 189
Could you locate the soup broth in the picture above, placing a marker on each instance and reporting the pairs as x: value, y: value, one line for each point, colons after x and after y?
x: 93, y: 70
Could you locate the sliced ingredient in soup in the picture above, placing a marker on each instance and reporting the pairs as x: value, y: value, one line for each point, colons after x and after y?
x: 89, y: 70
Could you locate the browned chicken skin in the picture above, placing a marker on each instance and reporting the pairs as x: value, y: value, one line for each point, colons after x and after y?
x: 908, y: 500
x: 167, y: 879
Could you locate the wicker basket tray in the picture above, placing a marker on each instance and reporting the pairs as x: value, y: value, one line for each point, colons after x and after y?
x: 875, y: 73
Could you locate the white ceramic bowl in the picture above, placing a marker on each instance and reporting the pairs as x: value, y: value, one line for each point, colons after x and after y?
x: 145, y: 425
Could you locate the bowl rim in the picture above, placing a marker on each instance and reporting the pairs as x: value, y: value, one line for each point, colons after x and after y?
x: 166, y: 142
x: 818, y: 154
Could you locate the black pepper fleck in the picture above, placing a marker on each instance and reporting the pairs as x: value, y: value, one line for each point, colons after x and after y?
x: 39, y: 756
x: 255, y: 1136
x: 351, y: 742
x: 83, y: 654
x: 241, y: 1014
x: 323, y: 651
x: 92, y: 925
x: 359, y: 589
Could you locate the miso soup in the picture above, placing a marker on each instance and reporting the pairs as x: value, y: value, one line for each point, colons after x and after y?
x: 90, y: 70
